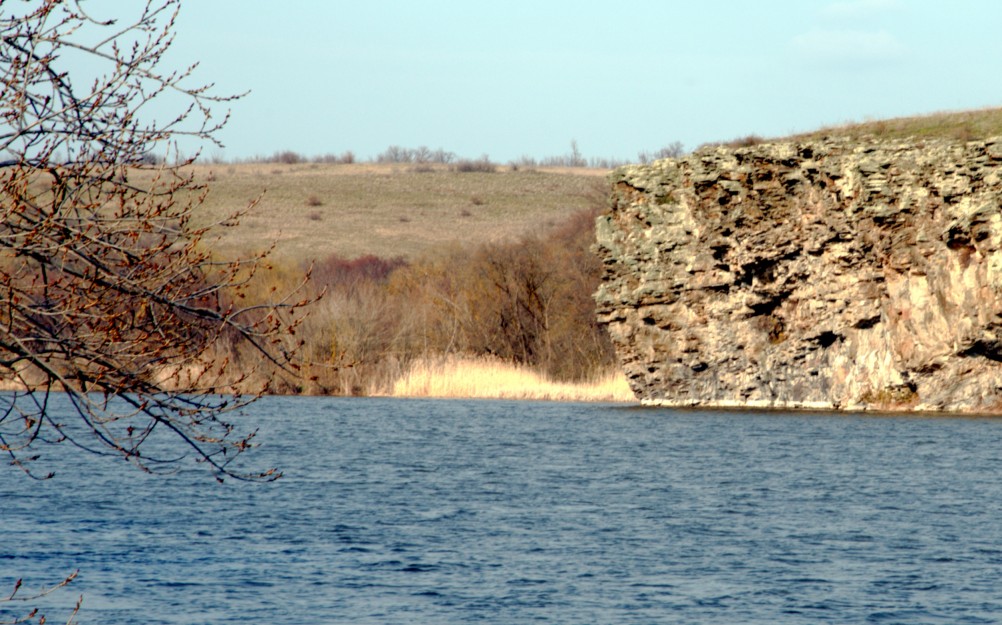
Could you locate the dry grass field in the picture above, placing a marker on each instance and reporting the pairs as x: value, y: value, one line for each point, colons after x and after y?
x: 313, y: 210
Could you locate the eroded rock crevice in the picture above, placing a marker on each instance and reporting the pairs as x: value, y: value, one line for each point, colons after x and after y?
x: 829, y: 274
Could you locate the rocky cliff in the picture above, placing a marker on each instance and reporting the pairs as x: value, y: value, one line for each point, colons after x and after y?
x: 830, y: 274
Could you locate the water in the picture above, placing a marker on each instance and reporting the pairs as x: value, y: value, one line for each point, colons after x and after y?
x: 400, y: 511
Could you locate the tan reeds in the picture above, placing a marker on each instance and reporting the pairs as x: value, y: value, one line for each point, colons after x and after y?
x: 486, y: 378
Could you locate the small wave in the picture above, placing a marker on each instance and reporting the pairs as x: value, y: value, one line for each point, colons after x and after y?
x: 525, y: 581
x: 419, y: 568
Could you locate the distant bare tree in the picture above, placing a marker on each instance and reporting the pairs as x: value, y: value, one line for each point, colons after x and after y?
x: 674, y: 149
x: 421, y: 155
x: 108, y: 290
x: 576, y: 160
x: 395, y: 154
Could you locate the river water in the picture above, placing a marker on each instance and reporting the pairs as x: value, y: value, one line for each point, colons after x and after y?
x: 421, y: 511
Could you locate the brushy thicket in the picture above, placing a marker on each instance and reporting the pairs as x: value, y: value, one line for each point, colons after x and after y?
x: 527, y: 302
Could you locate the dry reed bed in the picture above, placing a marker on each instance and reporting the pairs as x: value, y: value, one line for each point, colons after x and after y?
x: 485, y: 378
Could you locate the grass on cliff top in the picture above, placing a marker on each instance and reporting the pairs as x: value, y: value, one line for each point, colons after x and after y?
x: 313, y: 210
x: 956, y: 125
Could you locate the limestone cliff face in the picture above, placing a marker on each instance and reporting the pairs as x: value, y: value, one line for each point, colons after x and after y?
x: 834, y: 275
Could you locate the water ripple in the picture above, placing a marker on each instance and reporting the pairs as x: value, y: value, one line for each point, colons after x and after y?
x: 504, y: 512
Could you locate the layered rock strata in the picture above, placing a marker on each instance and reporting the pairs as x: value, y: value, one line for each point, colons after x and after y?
x: 829, y: 275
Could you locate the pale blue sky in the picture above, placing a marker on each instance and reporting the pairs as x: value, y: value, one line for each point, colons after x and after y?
x: 525, y: 77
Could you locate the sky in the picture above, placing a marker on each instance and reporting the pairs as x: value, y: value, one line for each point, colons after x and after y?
x: 528, y: 77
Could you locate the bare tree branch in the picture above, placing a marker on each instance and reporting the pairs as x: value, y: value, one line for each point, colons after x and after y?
x: 32, y: 615
x: 109, y: 293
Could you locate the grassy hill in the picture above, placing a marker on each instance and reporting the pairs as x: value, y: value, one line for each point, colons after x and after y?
x: 313, y: 210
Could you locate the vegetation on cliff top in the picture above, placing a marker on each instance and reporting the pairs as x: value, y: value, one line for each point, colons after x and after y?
x: 957, y: 125
x: 954, y: 125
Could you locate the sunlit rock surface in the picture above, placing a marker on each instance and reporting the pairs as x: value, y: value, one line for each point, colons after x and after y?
x: 830, y: 274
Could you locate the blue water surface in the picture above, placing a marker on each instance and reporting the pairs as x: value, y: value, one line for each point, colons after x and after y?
x: 421, y: 511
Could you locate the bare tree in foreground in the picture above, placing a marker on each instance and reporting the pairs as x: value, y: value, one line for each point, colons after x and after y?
x: 109, y: 297
x: 108, y: 291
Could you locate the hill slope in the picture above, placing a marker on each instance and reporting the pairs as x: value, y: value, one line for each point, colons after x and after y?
x: 314, y: 210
